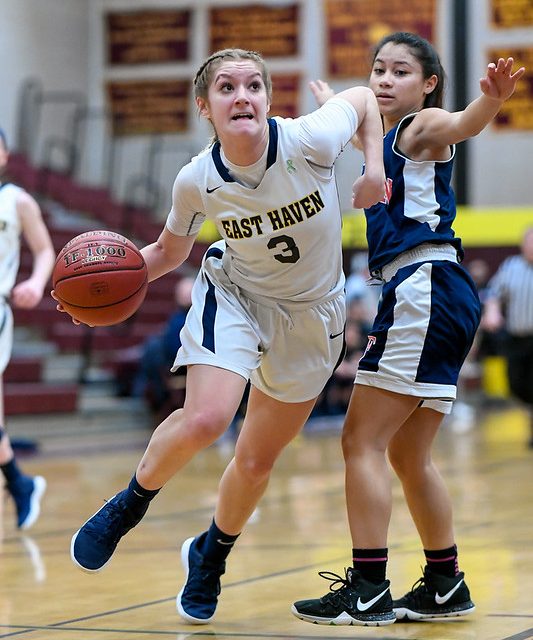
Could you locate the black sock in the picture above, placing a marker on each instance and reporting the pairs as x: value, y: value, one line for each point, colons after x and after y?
x: 216, y: 545
x: 137, y: 495
x: 443, y: 561
x: 11, y: 471
x: 371, y: 564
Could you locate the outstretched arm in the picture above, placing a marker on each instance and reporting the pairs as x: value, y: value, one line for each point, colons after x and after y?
x: 437, y: 127
x: 167, y: 253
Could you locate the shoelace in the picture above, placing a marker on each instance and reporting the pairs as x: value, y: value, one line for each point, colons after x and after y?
x: 337, y: 581
x: 418, y: 591
x: 209, y: 576
x: 116, y: 524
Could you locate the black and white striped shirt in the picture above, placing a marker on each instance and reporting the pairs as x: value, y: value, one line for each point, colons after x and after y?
x: 512, y: 285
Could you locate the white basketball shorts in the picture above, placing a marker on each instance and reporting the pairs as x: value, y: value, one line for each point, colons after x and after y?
x: 288, y: 351
x: 6, y: 334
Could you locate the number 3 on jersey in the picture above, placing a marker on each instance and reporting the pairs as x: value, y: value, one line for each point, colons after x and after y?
x: 289, y: 252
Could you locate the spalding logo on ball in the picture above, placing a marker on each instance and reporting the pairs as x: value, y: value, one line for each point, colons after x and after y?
x: 100, y: 278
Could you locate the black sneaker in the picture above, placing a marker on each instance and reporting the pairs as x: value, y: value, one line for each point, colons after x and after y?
x: 435, y: 596
x: 27, y: 493
x: 354, y: 601
x: 197, y: 601
x: 94, y: 543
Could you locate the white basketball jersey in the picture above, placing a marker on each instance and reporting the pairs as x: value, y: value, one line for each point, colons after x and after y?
x: 9, y: 237
x: 283, y: 237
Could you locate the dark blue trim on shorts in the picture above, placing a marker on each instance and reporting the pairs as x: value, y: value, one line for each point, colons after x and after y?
x: 209, y: 315
x: 214, y: 252
x: 454, y: 319
x: 4, y: 317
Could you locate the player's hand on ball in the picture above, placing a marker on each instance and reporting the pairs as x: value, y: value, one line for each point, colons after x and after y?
x: 59, y: 307
x: 99, y: 278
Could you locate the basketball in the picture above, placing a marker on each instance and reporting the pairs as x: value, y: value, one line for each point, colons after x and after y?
x: 100, y: 278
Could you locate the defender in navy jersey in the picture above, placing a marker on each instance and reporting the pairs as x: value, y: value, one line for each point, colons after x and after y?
x: 268, y: 304
x: 425, y: 325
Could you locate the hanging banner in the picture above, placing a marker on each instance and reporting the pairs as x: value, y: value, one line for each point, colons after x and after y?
x: 509, y: 14
x: 286, y: 95
x: 355, y: 26
x: 142, y: 107
x: 147, y: 37
x: 271, y: 31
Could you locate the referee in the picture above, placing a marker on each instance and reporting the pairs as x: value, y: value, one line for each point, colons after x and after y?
x: 509, y: 304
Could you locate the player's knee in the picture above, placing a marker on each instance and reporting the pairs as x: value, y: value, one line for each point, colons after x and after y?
x: 205, y: 425
x: 255, y: 469
x: 398, y: 462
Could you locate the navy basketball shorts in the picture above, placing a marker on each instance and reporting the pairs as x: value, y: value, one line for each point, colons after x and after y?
x: 425, y: 325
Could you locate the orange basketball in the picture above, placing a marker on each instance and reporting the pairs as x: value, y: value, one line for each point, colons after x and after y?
x: 100, y: 278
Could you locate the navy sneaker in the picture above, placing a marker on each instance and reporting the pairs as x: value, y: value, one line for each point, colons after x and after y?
x: 197, y: 600
x: 354, y: 601
x: 435, y: 596
x: 27, y: 493
x: 94, y: 543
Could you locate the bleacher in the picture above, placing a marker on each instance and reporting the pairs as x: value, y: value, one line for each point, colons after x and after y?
x: 37, y: 379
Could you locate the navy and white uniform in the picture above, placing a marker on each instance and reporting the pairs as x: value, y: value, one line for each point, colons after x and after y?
x: 10, y: 230
x: 429, y: 310
x: 269, y: 302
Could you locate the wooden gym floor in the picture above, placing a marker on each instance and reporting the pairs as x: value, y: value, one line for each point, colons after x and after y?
x: 299, y: 529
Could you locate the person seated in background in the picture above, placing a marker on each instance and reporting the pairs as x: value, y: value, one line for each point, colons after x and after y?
x: 152, y: 378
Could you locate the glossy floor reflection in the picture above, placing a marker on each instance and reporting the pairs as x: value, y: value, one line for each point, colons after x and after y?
x: 299, y: 529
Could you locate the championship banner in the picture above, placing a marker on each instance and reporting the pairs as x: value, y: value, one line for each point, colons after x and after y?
x: 271, y: 31
x: 146, y: 107
x: 510, y: 14
x: 147, y: 37
x: 354, y: 27
x: 286, y: 98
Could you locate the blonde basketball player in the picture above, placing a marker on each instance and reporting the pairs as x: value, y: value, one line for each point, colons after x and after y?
x: 268, y: 305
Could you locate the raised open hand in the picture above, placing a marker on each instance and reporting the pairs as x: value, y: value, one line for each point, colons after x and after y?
x: 500, y: 82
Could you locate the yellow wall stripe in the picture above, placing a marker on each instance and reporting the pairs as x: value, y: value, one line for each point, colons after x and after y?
x: 478, y: 227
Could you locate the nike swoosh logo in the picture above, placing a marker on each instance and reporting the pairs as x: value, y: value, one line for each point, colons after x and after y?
x: 222, y: 542
x: 335, y: 335
x: 213, y: 189
x: 363, y: 606
x: 443, y: 599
